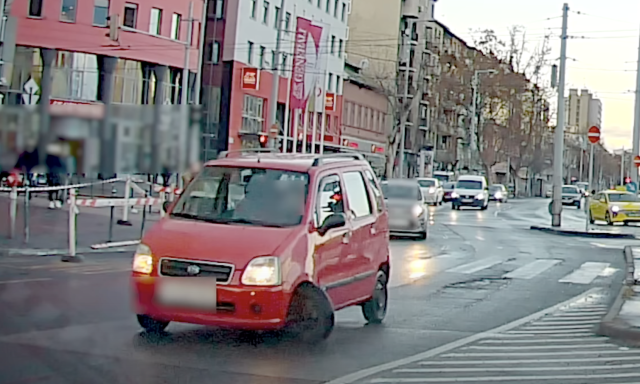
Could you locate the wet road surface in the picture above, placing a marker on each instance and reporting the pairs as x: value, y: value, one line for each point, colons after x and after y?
x: 478, y: 270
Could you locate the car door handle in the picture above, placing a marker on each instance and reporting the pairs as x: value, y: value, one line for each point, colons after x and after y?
x: 346, y: 237
x: 373, y: 231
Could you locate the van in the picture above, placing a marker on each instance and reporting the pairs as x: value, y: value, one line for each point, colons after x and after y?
x: 470, y: 191
x: 268, y: 242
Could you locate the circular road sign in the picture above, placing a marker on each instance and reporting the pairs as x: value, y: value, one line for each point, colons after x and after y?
x: 594, y: 135
x: 636, y: 161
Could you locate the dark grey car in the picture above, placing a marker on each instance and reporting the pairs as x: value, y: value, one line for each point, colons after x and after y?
x: 406, y: 206
x: 571, y: 195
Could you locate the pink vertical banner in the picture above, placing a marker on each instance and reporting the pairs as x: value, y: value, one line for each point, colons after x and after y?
x: 305, y: 55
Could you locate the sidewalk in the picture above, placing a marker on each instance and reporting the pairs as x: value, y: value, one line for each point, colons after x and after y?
x: 49, y: 228
x: 622, y: 322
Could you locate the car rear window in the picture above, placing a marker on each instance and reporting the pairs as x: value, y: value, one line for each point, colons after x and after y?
x: 623, y: 198
x: 403, y: 192
x: 496, y: 188
x: 245, y: 196
x: 426, y: 183
x: 449, y: 185
x: 570, y: 190
x: 469, y: 184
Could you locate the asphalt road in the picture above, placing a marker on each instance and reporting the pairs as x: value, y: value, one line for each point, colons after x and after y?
x: 478, y: 270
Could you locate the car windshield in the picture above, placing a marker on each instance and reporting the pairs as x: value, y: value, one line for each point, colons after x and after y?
x: 427, y: 183
x: 623, y: 198
x: 248, y: 196
x: 403, y: 192
x: 496, y: 188
x: 570, y: 190
x: 449, y: 185
x: 469, y: 184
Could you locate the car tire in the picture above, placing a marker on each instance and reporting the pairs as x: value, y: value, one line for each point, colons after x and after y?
x: 151, y: 325
x: 578, y: 205
x: 453, y: 207
x: 484, y: 207
x: 310, y: 318
x: 591, y: 221
x: 375, y: 309
x: 607, y: 218
x: 422, y: 236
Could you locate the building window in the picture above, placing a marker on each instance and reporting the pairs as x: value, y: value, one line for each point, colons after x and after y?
x: 275, y: 18
x: 254, y: 5
x: 330, y: 82
x: 274, y: 60
x: 340, y: 44
x: 338, y: 84
x: 155, y: 22
x: 250, y: 53
x: 287, y: 22
x: 130, y: 15
x: 176, y: 20
x: 214, y: 55
x: 356, y: 113
x: 252, y: 119
x: 261, y: 59
x: 283, y: 65
x: 328, y: 8
x: 100, y: 13
x: 68, y: 11
x: 265, y: 14
x: 344, y: 12
x: 219, y: 9
x: 35, y: 8
x: 319, y: 3
x: 333, y: 45
x: 335, y: 7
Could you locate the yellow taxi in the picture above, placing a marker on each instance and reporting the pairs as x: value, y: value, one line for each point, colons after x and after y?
x: 614, y: 207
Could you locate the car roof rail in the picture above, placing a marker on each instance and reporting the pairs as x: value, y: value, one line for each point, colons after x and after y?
x: 225, y: 154
x: 318, y: 161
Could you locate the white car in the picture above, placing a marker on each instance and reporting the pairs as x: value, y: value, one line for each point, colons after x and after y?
x: 470, y: 191
x: 431, y: 190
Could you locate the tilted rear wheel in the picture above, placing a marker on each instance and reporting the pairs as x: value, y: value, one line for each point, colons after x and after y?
x: 375, y: 309
x: 310, y: 317
x: 152, y: 325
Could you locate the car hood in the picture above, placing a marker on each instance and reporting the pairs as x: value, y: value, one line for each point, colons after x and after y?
x: 473, y: 192
x: 230, y: 243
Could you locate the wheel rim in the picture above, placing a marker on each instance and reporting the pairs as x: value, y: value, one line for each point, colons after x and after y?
x: 607, y: 217
x: 380, y: 297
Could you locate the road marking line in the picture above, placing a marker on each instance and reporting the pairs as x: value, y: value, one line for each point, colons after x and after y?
x: 580, y: 322
x: 359, y: 375
x: 476, y: 265
x: 504, y: 378
x: 581, y: 314
x: 516, y: 369
x: 556, y: 327
x: 587, y: 272
x: 570, y: 353
x: 108, y: 271
x: 558, y: 332
x: 540, y: 347
x: 24, y: 280
x: 578, y: 339
x: 532, y: 269
x: 538, y: 361
x: 569, y: 319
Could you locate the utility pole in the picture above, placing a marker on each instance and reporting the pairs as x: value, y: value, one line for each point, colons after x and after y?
x: 633, y: 170
x: 405, y: 91
x: 184, y: 95
x: 474, y: 118
x: 622, y: 167
x: 591, y: 167
x: 558, y: 146
x: 3, y: 23
x: 273, y: 101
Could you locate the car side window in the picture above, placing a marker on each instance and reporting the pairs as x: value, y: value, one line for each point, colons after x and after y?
x: 359, y: 201
x: 329, y: 200
x: 377, y: 193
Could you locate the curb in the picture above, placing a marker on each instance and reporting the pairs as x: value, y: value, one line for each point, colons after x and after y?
x: 593, y: 235
x: 618, y: 329
x: 8, y: 252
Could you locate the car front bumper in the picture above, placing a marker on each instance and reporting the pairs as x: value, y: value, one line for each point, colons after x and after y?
x: 238, y: 307
x: 401, y: 226
x: 625, y: 217
x: 468, y: 202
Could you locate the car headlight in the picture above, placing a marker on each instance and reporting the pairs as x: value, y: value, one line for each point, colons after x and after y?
x: 454, y: 195
x: 498, y: 195
x: 480, y: 196
x: 615, y: 209
x: 432, y: 190
x: 263, y: 271
x: 417, y: 210
x: 143, y: 260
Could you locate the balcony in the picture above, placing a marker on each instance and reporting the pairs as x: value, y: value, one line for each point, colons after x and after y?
x: 410, y: 9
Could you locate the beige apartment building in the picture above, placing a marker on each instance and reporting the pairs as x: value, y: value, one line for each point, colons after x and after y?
x: 582, y: 111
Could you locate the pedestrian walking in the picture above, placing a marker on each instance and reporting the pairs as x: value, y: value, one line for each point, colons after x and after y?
x: 56, y: 169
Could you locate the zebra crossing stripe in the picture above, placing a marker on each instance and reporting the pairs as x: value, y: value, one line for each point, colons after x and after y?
x: 532, y: 269
x: 477, y: 265
x: 587, y: 272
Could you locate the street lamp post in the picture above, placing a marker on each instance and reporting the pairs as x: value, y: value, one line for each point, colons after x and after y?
x: 474, y: 118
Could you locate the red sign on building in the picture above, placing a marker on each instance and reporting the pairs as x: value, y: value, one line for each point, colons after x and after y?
x: 330, y: 102
x: 250, y: 78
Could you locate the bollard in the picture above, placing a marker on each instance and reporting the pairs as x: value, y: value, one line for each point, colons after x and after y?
x: 163, y: 198
x: 111, y: 214
x: 144, y: 219
x: 13, y: 211
x: 72, y: 256
x: 125, y: 211
x: 587, y: 212
x: 27, y: 196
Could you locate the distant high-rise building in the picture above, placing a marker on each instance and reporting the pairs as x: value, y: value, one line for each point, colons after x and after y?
x: 582, y: 111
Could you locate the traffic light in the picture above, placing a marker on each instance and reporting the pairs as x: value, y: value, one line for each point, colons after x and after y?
x: 263, y: 141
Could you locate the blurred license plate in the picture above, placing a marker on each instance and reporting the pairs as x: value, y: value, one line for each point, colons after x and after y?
x: 187, y: 292
x: 467, y: 200
x: 399, y: 223
x: 633, y: 214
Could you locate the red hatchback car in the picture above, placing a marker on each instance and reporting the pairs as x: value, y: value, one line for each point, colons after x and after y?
x: 268, y: 242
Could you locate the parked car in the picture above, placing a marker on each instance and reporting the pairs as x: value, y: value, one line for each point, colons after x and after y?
x: 448, y: 190
x: 262, y: 241
x: 498, y: 192
x: 407, y: 214
x: 470, y: 191
x: 431, y: 190
x: 572, y: 195
x: 614, y: 207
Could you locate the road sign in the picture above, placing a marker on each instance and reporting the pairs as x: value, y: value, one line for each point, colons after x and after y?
x: 594, y: 135
x: 31, y: 88
x: 632, y: 187
x: 636, y: 161
x: 275, y: 129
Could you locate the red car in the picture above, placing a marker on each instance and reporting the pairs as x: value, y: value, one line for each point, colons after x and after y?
x: 268, y: 242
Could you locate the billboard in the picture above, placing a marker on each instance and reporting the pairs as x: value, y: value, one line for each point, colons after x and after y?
x: 309, y: 65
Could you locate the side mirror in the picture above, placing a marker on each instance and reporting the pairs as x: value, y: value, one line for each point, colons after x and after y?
x: 336, y: 220
x: 166, y: 205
